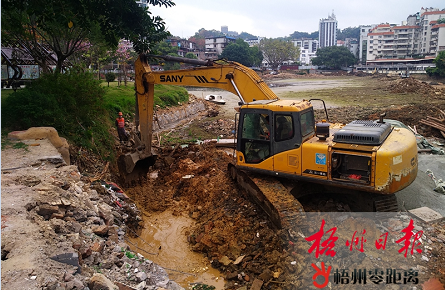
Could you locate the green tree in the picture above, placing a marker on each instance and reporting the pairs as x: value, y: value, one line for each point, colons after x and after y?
x: 334, y: 57
x: 66, y: 26
x: 299, y: 35
x: 238, y: 51
x: 191, y: 55
x: 256, y: 55
x: 349, y: 32
x: 172, y: 65
x: 165, y: 48
x: 110, y: 77
x: 439, y: 70
x: 277, y: 51
x: 245, y: 35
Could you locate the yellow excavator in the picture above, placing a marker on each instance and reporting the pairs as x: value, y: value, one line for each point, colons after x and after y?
x: 280, y: 140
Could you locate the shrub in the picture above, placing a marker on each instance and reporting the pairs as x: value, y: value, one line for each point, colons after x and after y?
x: 110, y: 77
x: 72, y: 103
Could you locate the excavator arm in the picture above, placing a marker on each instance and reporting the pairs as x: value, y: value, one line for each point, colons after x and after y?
x: 229, y: 76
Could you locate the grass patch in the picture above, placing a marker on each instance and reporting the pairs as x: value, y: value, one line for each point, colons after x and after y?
x: 20, y: 145
x: 362, y: 92
x: 122, y: 98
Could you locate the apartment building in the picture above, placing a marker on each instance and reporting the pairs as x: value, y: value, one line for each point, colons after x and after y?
x: 432, y: 32
x: 421, y: 36
x: 328, y: 31
x: 254, y: 41
x: 308, y: 49
x: 214, y: 46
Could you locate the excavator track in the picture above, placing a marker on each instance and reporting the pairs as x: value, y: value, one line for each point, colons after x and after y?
x: 283, y: 209
x: 386, y: 203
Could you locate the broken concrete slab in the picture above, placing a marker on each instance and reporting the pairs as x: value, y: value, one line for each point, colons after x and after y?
x: 68, y: 258
x: 426, y: 214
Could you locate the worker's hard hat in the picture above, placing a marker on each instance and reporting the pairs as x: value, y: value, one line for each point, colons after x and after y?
x: 120, y: 114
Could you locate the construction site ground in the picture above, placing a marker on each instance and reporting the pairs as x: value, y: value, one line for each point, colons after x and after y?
x: 196, y: 222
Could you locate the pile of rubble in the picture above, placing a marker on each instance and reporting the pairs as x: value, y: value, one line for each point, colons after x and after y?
x: 411, y: 85
x: 60, y: 231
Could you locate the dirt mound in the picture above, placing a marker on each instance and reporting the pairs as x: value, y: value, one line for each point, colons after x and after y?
x: 411, y: 85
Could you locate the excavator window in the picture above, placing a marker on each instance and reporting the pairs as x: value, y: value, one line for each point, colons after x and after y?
x: 307, y: 123
x: 255, y: 137
x: 284, y: 129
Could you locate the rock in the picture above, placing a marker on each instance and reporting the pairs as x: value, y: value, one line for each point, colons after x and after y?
x: 257, y: 284
x: 105, y: 212
x: 47, y: 210
x: 232, y: 276
x: 225, y: 260
x: 238, y: 260
x: 78, y: 284
x: 172, y: 285
x: 85, y: 252
x: 141, y: 276
x: 100, y: 282
x: 141, y: 285
x: 68, y: 277
x: 58, y: 226
x: 101, y: 230
x: 57, y: 216
x: 75, y: 227
x: 80, y: 215
x: 247, y: 278
x: 97, y: 246
x: 266, y: 275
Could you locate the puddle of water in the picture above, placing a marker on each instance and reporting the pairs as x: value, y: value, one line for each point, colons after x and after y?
x: 164, y: 235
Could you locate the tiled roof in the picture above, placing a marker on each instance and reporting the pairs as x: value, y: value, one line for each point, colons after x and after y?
x: 406, y: 27
x: 438, y: 25
x: 381, y: 33
x: 433, y: 13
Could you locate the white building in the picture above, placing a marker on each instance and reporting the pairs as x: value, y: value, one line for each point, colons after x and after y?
x: 254, y: 41
x: 363, y: 42
x: 328, y: 31
x: 214, y: 46
x: 432, y: 33
x: 308, y: 49
x: 421, y: 36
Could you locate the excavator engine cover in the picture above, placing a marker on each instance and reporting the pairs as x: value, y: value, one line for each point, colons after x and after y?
x: 363, y: 132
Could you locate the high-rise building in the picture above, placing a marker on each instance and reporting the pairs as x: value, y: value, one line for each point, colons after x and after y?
x: 328, y: 31
x: 225, y: 29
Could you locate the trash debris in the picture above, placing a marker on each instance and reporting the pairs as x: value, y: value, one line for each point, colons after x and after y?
x: 440, y: 184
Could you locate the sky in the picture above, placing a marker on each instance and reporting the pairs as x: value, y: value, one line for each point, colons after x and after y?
x: 280, y: 18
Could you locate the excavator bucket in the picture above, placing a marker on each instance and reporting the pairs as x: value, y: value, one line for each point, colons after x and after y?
x: 132, y: 169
